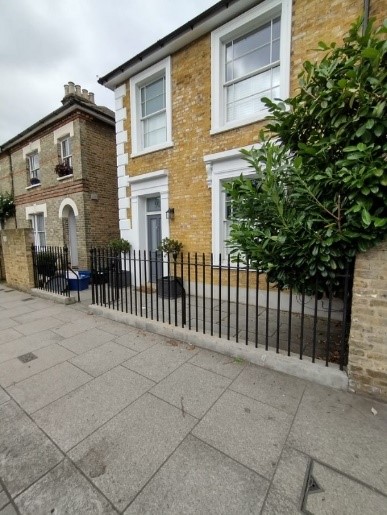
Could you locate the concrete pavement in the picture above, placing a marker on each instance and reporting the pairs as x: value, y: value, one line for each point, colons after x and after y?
x: 100, y: 417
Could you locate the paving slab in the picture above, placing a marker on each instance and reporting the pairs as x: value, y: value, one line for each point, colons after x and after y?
x: 41, y: 389
x: 6, y: 335
x: 76, y: 327
x: 4, y: 397
x: 8, y: 510
x: 161, y: 359
x: 14, y: 370
x: 73, y: 417
x: 63, y: 490
x: 23, y: 345
x: 25, y: 452
x: 7, y: 323
x: 274, y: 388
x: 114, y: 327
x: 287, y: 488
x: 247, y: 430
x: 36, y: 314
x: 192, y: 389
x: 101, y: 359
x: 341, y: 494
x: 199, y: 479
x: 124, y: 454
x: 39, y: 325
x: 218, y: 363
x: 87, y: 340
x: 139, y: 340
x: 4, y: 499
x: 345, y: 437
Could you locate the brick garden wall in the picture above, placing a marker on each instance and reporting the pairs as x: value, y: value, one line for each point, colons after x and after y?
x: 17, y: 255
x: 367, y: 366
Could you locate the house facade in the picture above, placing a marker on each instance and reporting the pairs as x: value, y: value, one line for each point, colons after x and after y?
x: 62, y: 174
x: 186, y: 105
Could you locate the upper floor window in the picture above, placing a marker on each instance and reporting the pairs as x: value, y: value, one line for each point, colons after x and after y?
x: 66, y: 152
x: 150, y: 104
x: 33, y: 168
x: 250, y: 60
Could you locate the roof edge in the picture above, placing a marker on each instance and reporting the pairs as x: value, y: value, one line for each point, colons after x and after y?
x: 213, y: 17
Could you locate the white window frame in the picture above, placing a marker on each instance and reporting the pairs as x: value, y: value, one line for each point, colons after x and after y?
x: 163, y: 68
x: 66, y: 158
x: 37, y: 234
x: 33, y: 172
x: 223, y: 167
x: 243, y: 24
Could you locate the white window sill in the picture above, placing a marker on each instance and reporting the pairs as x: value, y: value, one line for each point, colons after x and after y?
x: 239, y: 123
x: 150, y: 150
x: 33, y: 186
x: 64, y: 177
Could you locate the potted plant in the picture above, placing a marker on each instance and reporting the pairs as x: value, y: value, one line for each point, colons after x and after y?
x: 63, y: 169
x: 34, y: 180
x: 119, y: 247
x: 170, y: 286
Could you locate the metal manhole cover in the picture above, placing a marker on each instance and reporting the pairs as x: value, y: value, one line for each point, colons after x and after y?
x: 25, y: 358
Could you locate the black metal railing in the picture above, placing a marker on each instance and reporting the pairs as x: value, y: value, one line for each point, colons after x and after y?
x: 51, y: 269
x: 230, y: 301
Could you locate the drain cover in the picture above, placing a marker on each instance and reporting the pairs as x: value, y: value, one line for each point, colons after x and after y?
x: 313, y: 486
x: 25, y: 358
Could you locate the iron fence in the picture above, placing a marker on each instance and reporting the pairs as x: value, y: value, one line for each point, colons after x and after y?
x: 51, y: 269
x: 230, y: 301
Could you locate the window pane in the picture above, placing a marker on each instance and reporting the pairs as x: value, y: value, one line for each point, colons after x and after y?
x: 155, y: 130
x: 275, y: 52
x: 251, y: 62
x: 252, y: 41
x: 153, y: 97
x: 154, y: 105
x: 276, y: 28
x: 153, y: 204
x: 40, y: 222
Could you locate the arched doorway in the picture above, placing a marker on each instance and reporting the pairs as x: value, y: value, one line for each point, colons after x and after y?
x: 69, y: 212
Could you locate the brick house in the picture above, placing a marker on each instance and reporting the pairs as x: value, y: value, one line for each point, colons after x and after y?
x: 74, y: 203
x: 186, y: 105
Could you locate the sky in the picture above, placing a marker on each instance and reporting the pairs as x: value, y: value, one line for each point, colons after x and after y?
x: 44, y: 44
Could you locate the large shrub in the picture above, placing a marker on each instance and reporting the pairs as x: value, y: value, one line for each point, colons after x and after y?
x: 321, y: 188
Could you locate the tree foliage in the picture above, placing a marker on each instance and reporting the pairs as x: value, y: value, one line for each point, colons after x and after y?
x: 321, y: 187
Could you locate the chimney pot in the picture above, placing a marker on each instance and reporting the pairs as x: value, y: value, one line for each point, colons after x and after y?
x: 85, y: 94
x: 91, y: 97
x: 78, y: 90
x: 71, y: 88
x: 66, y: 88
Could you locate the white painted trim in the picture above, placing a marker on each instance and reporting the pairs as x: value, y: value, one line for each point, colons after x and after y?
x: 36, y: 209
x: 151, y: 176
x: 65, y: 130
x: 64, y: 177
x: 221, y: 167
x: 142, y: 187
x: 67, y: 202
x: 33, y: 186
x: 234, y: 28
x: 33, y: 146
x: 136, y: 83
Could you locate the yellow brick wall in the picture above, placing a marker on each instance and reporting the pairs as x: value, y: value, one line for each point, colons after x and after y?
x: 17, y: 256
x: 189, y: 194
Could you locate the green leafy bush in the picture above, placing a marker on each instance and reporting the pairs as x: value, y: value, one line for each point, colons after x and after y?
x: 320, y: 195
x: 7, y: 206
x: 120, y: 245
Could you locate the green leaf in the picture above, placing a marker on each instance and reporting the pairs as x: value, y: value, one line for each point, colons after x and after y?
x: 366, y: 217
x: 370, y: 53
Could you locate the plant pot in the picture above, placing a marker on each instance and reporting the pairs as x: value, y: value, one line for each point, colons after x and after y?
x: 170, y: 287
x: 34, y: 180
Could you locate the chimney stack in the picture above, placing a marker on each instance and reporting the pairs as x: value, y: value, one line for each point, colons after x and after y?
x: 72, y: 90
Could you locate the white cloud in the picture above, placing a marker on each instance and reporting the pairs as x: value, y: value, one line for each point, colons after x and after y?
x: 46, y: 43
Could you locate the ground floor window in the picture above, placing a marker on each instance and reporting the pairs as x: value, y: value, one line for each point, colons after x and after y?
x: 38, y: 227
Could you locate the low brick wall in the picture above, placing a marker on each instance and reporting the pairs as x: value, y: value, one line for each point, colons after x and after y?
x: 17, y: 256
x: 367, y: 362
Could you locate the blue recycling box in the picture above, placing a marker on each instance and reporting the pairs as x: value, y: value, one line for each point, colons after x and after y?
x: 84, y: 280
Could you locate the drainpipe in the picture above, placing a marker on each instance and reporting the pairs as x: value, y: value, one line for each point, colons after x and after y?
x: 12, y: 182
x: 366, y: 15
